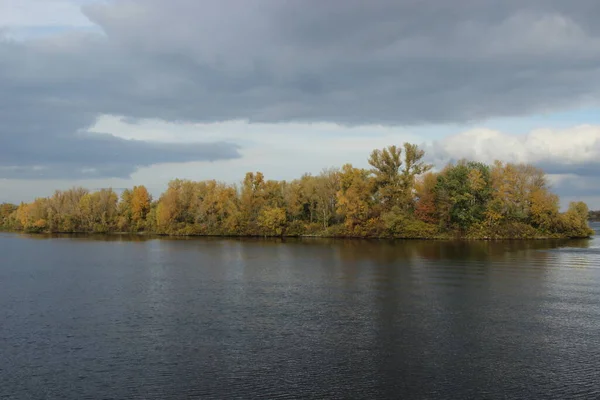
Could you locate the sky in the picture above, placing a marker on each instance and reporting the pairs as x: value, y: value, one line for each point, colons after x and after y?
x: 101, y: 93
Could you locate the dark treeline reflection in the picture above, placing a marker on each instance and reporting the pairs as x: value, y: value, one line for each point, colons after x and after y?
x: 92, y: 237
x: 380, y: 250
x: 399, y: 197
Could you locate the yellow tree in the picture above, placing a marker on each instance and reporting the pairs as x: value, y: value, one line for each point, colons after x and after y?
x: 575, y: 220
x: 106, y: 206
x: 6, y: 209
x: 252, y: 200
x: 33, y: 216
x: 272, y: 221
x: 140, y: 204
x: 88, y: 212
x: 216, y: 208
x: 354, y: 198
x: 168, y: 209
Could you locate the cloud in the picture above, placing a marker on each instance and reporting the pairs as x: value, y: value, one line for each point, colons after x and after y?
x: 393, y: 62
x: 37, y: 13
x: 396, y: 62
x: 574, y: 150
x: 101, y: 155
x: 280, y: 151
x: 47, y: 105
x: 570, y: 157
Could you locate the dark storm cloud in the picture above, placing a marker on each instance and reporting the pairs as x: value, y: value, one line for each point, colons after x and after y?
x: 100, y: 155
x: 51, y: 91
x: 351, y: 62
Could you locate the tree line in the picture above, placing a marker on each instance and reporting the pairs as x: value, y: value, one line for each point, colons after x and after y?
x: 398, y: 197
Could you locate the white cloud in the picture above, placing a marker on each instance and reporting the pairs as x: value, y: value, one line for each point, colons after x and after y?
x: 571, y: 147
x: 570, y: 156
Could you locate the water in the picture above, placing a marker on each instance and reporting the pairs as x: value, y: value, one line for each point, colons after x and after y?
x: 116, y: 317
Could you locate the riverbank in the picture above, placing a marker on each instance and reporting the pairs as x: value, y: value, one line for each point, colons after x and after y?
x: 438, y: 237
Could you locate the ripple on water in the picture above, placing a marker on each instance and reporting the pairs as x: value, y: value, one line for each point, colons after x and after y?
x: 213, y: 319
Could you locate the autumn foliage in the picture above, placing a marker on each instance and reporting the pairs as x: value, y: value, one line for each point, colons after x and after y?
x: 400, y: 196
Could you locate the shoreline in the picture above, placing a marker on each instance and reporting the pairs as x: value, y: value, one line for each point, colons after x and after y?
x: 448, y: 238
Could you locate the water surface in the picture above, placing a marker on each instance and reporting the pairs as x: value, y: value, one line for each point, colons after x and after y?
x: 132, y: 317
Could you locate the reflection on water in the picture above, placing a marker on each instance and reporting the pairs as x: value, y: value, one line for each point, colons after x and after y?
x: 431, y: 249
x: 140, y: 317
x: 126, y: 237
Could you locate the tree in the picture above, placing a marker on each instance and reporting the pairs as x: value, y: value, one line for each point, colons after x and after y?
x: 462, y: 193
x: 272, y: 221
x: 169, y: 208
x: 140, y: 206
x: 252, y: 200
x: 413, y: 167
x: 125, y: 211
x: 575, y: 220
x: 388, y: 183
x: 6, y: 209
x: 544, y: 209
x: 217, y: 209
x: 425, y: 208
x: 398, y: 197
x: 33, y: 217
x: 354, y: 200
x: 326, y: 186
x: 395, y: 177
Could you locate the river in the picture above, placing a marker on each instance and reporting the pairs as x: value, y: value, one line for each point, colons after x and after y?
x: 118, y: 317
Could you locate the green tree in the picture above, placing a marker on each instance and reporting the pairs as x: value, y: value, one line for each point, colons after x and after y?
x: 462, y: 193
x: 395, y: 176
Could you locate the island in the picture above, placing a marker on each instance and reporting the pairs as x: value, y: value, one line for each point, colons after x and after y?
x: 400, y: 196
